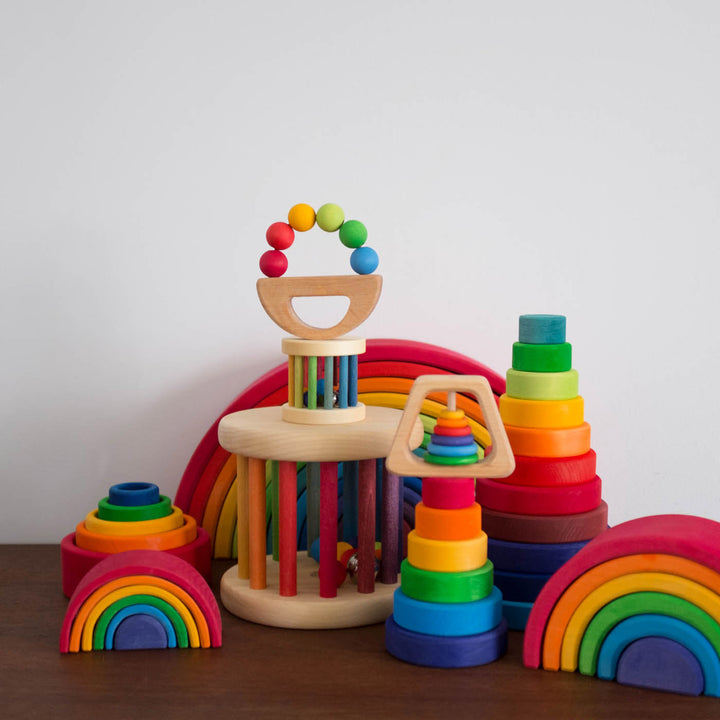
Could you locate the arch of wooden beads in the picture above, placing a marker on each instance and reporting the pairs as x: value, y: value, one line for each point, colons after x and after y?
x: 330, y: 218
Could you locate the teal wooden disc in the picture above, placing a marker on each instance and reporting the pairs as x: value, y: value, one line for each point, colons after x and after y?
x: 542, y: 329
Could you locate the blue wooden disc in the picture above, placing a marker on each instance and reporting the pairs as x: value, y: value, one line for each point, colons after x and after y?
x: 531, y: 557
x: 449, y: 619
x: 520, y: 587
x: 133, y: 494
x: 452, y: 450
x: 140, y: 609
x: 451, y: 439
x: 442, y: 651
x: 542, y: 329
x: 660, y: 664
x: 140, y: 632
x: 516, y: 613
x: 650, y: 625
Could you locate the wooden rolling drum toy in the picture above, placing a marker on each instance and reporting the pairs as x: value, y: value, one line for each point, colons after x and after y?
x: 134, y: 516
x: 551, y: 504
x: 321, y: 423
x: 447, y: 613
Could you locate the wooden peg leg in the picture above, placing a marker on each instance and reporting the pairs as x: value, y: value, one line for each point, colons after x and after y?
x: 366, y: 527
x: 243, y: 537
x: 328, y: 529
x: 256, y: 523
x: 389, y: 532
x: 287, y: 541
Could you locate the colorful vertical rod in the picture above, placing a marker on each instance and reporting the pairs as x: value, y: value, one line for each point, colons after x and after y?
x: 291, y: 380
x: 272, y: 476
x: 389, y: 533
x: 256, y: 523
x: 312, y: 523
x: 379, y: 469
x: 287, y: 481
x: 343, y: 382
x: 366, y: 527
x: 312, y: 383
x: 328, y: 529
x: 242, y: 517
x: 350, y: 500
x: 353, y: 381
x: 328, y: 384
x: 298, y: 380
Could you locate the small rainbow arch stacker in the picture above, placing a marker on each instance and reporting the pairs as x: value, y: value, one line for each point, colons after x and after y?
x: 640, y: 604
x: 141, y: 599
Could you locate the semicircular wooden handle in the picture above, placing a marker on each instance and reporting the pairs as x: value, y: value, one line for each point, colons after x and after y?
x: 276, y: 296
x: 500, y: 462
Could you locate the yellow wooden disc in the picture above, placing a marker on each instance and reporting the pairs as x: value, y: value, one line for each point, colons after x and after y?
x: 447, y: 555
x: 452, y: 414
x: 681, y: 587
x: 521, y: 412
x: 139, y: 527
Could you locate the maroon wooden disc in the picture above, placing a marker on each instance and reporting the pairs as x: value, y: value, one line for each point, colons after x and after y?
x: 545, y: 528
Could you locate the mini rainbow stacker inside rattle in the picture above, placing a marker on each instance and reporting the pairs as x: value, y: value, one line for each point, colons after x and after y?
x: 323, y: 425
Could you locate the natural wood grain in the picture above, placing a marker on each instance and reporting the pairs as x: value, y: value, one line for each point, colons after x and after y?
x: 276, y: 296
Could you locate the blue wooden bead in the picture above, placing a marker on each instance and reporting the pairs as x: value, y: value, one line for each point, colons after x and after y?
x: 364, y: 260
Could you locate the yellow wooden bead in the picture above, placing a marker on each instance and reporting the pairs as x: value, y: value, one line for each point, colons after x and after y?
x: 301, y: 217
x: 447, y: 555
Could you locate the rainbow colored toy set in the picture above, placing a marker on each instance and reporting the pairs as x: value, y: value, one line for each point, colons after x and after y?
x: 460, y: 504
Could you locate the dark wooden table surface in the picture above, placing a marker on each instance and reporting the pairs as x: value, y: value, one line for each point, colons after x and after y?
x: 263, y: 672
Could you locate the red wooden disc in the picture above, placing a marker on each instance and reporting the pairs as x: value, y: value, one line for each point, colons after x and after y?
x: 527, y: 500
x: 454, y: 431
x: 448, y: 493
x: 550, y: 472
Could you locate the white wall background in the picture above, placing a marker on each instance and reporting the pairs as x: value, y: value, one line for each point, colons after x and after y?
x: 507, y: 158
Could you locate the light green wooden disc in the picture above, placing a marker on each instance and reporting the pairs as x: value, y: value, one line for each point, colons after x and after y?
x: 542, y: 385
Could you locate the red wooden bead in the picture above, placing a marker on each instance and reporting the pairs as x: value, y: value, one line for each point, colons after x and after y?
x: 280, y: 236
x: 273, y: 263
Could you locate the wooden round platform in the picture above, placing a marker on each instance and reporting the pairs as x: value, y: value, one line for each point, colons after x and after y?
x: 262, y: 433
x: 306, y: 610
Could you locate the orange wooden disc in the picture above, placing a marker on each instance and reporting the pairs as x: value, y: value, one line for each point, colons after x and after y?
x: 547, y: 442
x: 452, y: 422
x: 438, y: 524
x: 120, y: 543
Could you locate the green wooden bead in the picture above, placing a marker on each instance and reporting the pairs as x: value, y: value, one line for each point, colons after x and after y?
x: 353, y: 234
x: 443, y: 460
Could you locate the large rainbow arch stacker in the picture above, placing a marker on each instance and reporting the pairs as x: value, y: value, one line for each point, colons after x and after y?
x: 639, y: 604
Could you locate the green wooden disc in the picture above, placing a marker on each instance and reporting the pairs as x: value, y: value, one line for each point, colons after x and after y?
x: 443, y: 460
x: 446, y: 587
x: 542, y: 358
x: 542, y: 385
x: 134, y: 513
